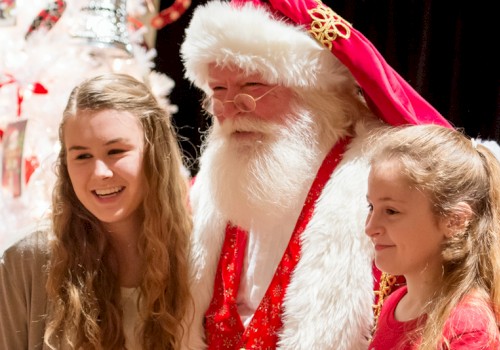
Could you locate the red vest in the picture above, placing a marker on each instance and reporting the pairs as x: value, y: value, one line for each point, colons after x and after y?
x: 223, y: 326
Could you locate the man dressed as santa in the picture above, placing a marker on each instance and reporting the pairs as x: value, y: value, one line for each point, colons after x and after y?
x: 280, y: 258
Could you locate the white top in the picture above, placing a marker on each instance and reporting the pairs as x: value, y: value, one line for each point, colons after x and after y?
x: 130, y: 317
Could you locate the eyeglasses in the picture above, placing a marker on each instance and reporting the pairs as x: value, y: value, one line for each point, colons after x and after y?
x: 244, y: 102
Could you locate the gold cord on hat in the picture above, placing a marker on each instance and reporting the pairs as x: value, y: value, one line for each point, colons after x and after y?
x: 327, y: 26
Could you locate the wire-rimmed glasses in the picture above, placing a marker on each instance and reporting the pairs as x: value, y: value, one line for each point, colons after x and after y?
x: 244, y: 102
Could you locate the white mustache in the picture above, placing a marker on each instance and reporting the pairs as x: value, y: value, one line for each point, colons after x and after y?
x: 245, y: 124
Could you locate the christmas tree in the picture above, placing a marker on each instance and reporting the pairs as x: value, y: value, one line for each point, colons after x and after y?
x: 48, y: 47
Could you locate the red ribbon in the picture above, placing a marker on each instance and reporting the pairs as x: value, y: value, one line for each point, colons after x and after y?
x: 35, y: 88
x: 170, y: 14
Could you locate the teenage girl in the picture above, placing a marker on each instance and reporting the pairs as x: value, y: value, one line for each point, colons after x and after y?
x: 112, y: 271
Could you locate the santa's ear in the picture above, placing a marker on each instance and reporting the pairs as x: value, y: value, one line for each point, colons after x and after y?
x: 458, y: 220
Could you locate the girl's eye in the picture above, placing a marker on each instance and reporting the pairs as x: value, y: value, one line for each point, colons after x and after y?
x: 391, y: 211
x: 83, y: 156
x: 116, y: 151
x: 370, y: 207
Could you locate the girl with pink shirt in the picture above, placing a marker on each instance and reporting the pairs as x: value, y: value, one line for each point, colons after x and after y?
x: 434, y: 201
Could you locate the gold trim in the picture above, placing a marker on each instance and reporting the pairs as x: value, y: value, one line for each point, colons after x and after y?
x: 386, y: 283
x: 327, y: 26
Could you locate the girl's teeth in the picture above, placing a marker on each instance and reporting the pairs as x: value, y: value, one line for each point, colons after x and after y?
x: 108, y: 191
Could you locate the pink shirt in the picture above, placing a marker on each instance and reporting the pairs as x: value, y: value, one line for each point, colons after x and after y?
x: 466, y: 328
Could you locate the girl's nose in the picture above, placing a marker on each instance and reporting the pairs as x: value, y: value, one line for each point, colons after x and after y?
x: 371, y: 226
x: 102, y: 170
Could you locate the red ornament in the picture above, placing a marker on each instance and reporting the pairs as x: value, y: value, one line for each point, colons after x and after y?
x: 30, y: 165
x: 35, y: 88
x: 170, y: 14
x: 48, y: 16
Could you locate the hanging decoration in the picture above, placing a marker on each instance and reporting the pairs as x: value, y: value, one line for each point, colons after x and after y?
x: 47, y: 17
x: 7, y: 13
x: 104, y: 25
x: 31, y: 163
x: 170, y: 14
x: 13, y: 145
x: 35, y: 88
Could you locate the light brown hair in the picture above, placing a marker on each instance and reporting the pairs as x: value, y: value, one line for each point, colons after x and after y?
x: 451, y: 169
x: 82, y: 285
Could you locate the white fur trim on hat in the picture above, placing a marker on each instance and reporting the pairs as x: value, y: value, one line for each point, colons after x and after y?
x: 250, y: 38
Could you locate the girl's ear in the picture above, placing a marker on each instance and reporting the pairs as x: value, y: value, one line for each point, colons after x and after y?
x: 458, y: 220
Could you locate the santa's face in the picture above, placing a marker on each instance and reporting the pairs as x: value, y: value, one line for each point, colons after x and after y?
x: 238, y: 97
x: 259, y: 164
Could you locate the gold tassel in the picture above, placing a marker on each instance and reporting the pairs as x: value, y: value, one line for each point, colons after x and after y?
x: 387, y: 281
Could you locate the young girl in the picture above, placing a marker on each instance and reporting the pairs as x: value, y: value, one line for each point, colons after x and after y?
x: 434, y: 199
x: 112, y: 271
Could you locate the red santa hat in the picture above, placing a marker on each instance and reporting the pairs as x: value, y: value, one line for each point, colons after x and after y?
x: 299, y: 43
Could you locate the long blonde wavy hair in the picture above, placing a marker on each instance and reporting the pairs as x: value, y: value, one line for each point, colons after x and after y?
x: 450, y: 168
x: 82, y: 287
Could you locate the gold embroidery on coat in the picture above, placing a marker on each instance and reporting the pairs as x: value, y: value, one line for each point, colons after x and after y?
x: 386, y: 283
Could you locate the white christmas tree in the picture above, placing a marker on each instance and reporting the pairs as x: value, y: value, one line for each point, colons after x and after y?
x: 46, y: 48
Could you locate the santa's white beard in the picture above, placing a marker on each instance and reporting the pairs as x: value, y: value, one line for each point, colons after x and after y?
x: 261, y: 182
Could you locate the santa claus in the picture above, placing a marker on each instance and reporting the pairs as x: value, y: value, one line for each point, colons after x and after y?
x: 280, y: 258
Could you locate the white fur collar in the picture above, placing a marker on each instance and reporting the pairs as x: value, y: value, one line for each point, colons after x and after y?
x: 328, y: 304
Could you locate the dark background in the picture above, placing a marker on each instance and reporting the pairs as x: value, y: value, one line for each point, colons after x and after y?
x: 447, y: 50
